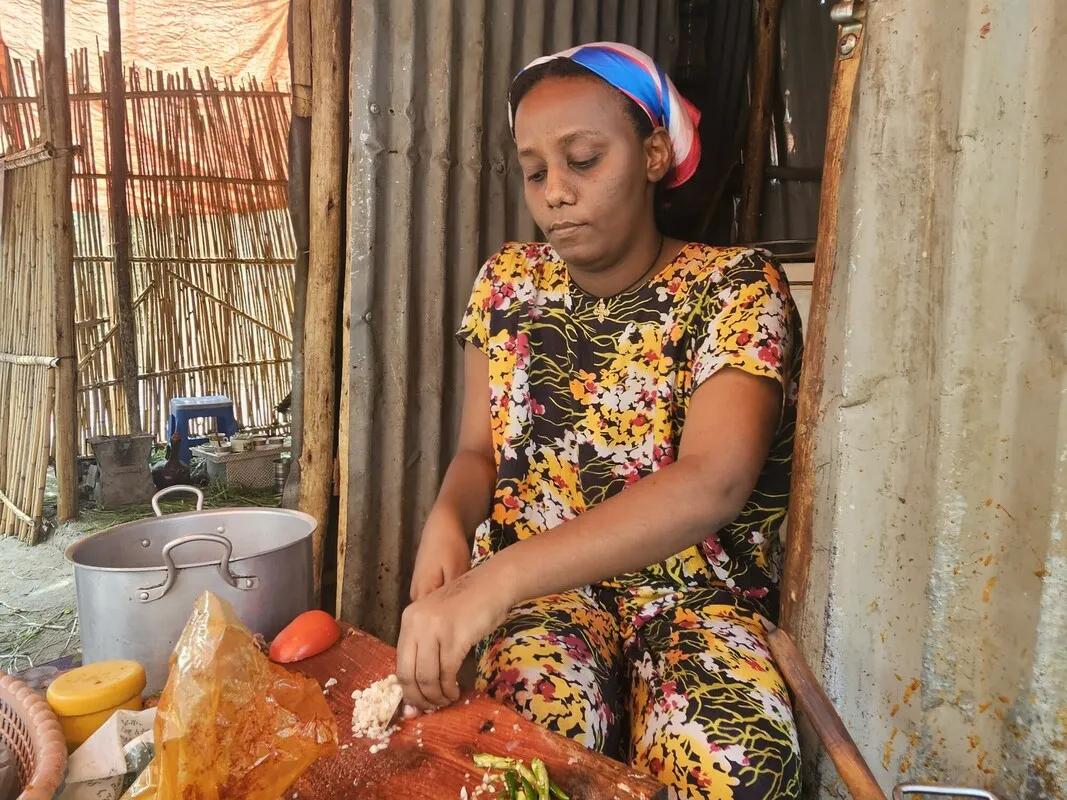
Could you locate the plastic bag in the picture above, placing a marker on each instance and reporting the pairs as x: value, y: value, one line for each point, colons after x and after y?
x: 230, y: 723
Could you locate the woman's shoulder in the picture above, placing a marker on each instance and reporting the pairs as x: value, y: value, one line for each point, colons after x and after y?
x: 521, y: 258
x: 705, y: 265
x: 706, y: 259
x: 533, y: 263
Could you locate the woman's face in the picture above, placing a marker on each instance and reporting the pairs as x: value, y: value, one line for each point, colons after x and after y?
x: 589, y: 179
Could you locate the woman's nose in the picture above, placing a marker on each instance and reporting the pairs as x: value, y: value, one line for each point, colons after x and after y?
x: 558, y: 190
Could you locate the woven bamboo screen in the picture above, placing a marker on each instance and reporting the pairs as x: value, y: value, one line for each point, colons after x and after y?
x: 211, y: 244
x: 27, y: 340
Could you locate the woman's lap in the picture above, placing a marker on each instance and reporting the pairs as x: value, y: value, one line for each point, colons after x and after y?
x: 706, y: 711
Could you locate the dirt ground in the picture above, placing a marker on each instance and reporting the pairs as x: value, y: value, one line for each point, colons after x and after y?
x: 38, y: 613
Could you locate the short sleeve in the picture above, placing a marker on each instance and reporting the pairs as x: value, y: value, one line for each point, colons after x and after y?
x: 747, y: 322
x: 475, y: 328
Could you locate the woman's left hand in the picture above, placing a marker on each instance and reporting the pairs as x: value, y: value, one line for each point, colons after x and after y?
x: 437, y: 632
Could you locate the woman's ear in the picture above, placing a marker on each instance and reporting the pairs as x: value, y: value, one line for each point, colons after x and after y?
x: 658, y: 155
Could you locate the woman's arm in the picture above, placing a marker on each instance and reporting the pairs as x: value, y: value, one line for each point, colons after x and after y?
x: 468, y: 485
x: 463, y: 501
x: 730, y: 424
x: 728, y: 432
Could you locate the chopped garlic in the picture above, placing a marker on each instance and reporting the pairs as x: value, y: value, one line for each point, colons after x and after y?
x: 373, y: 711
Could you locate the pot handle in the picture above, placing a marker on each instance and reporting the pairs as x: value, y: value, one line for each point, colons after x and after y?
x: 243, y: 582
x: 174, y: 490
x: 906, y: 789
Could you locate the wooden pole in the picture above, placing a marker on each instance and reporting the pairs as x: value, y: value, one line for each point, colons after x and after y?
x: 299, y: 189
x: 120, y: 218
x: 301, y: 57
x: 802, y: 494
x: 343, y: 435
x: 325, y: 262
x: 55, y: 123
x: 764, y: 63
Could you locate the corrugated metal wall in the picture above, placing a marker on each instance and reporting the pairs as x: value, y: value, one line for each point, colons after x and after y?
x: 433, y: 190
x: 938, y: 604
x: 806, y: 58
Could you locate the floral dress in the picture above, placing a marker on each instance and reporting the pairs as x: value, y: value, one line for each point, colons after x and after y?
x: 665, y: 667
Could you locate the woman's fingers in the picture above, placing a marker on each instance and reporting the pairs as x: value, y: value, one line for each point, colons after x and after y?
x: 426, y: 580
x: 454, y: 570
x: 450, y: 675
x: 406, y: 660
x: 422, y: 585
x: 428, y: 673
x: 418, y: 665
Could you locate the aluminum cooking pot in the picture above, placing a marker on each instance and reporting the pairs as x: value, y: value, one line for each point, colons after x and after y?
x: 136, y: 583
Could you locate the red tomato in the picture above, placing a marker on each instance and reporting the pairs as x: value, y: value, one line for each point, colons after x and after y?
x: 308, y: 635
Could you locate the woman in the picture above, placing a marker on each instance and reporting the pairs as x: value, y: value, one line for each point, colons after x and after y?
x: 633, y: 457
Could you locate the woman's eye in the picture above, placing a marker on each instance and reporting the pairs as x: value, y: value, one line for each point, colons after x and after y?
x: 586, y: 163
x: 535, y: 177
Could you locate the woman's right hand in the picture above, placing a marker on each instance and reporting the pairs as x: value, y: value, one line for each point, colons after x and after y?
x: 444, y: 554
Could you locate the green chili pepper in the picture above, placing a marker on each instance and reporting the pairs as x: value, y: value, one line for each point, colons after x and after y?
x: 531, y: 782
x: 488, y: 761
x: 540, y: 771
x: 525, y: 773
x: 511, y: 780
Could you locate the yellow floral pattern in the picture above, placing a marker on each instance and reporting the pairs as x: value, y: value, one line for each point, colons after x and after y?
x: 585, y: 404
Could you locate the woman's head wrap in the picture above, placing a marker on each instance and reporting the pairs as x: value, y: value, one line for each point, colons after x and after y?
x: 641, y: 79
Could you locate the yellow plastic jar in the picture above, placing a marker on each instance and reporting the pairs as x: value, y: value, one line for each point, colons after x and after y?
x: 86, y: 697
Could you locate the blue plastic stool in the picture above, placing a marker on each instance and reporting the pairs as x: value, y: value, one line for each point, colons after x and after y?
x: 184, y: 409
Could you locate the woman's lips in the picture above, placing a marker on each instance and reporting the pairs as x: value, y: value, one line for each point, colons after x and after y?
x: 564, y: 229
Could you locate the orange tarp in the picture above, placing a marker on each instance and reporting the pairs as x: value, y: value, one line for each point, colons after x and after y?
x: 232, y: 38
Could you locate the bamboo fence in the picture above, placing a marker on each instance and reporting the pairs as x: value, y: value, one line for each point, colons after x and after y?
x: 27, y: 340
x: 211, y: 245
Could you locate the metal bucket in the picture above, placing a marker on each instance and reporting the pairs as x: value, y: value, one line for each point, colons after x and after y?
x: 136, y: 583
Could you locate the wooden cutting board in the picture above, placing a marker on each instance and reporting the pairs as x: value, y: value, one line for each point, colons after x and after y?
x: 430, y: 758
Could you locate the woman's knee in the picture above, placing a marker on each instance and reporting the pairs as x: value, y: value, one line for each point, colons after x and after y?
x: 555, y: 674
x: 711, y: 714
x: 750, y: 761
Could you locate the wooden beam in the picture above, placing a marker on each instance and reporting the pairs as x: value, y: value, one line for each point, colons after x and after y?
x: 802, y: 495
x: 329, y: 110
x: 344, y: 428
x: 764, y: 63
x: 55, y: 123
x: 299, y: 188
x: 301, y: 58
x: 120, y: 219
x: 820, y: 712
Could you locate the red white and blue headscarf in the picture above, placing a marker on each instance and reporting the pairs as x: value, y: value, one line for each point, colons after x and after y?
x: 642, y: 80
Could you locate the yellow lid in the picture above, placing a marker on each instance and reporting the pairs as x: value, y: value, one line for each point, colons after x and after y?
x: 95, y: 687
